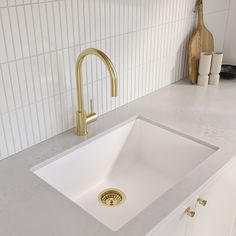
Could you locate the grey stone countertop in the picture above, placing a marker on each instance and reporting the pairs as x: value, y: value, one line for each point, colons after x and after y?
x: 30, y: 207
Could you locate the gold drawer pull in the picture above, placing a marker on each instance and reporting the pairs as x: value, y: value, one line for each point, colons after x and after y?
x: 190, y: 212
x: 202, y: 201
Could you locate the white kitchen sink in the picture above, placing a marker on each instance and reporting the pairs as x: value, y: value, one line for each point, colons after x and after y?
x: 140, y: 157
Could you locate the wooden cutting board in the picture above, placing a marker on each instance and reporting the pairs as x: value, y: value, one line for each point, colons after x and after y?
x: 202, y: 41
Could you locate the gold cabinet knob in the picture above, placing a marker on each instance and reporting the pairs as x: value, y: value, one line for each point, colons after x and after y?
x: 190, y: 212
x: 202, y: 201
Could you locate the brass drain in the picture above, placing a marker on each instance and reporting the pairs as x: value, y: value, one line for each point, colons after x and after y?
x: 111, y: 197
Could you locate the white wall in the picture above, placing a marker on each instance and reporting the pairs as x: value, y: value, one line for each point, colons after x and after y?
x: 40, y: 40
x: 216, y: 20
x: 230, y: 37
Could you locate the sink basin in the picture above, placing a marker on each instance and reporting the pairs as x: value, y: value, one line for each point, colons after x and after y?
x: 141, y: 158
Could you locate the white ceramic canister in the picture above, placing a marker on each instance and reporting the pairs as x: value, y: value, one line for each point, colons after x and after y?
x: 205, y: 63
x: 216, y: 63
x: 202, y: 80
x: 214, y: 79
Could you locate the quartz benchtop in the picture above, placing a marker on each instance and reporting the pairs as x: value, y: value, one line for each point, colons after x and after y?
x: 30, y: 207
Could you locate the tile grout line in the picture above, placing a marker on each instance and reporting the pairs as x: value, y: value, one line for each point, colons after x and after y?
x: 26, y: 83
x: 51, y: 68
x: 64, y: 124
x: 46, y: 77
x: 19, y: 86
x: 96, y: 64
x: 64, y: 62
x: 28, y: 4
x: 31, y: 70
x: 39, y: 74
x: 8, y: 112
x: 10, y: 77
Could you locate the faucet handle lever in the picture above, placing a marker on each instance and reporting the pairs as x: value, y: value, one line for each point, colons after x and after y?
x: 91, y: 106
x: 92, y: 116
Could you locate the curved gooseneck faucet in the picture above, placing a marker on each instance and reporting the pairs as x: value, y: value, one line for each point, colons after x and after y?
x: 83, y: 119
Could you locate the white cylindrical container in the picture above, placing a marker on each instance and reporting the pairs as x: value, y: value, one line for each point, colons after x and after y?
x: 214, y: 79
x: 216, y: 63
x: 202, y: 80
x: 205, y: 63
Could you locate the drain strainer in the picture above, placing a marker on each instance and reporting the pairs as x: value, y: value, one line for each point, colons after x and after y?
x: 111, y: 197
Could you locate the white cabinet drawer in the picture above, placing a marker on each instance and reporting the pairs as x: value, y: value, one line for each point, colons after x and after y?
x: 176, y: 223
x: 218, y: 216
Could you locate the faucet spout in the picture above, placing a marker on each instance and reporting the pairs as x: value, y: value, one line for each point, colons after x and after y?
x: 82, y: 117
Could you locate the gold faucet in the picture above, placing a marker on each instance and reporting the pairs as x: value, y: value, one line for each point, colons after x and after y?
x: 83, y: 119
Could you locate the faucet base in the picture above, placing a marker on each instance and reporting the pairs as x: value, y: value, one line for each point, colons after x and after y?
x: 81, y: 123
x: 83, y: 120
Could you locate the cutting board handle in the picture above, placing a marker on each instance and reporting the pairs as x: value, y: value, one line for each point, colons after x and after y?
x: 199, y: 7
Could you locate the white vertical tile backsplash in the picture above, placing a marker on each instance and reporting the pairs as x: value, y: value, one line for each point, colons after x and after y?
x: 41, y: 39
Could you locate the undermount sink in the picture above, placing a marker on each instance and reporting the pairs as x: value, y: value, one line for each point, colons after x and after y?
x: 141, y: 158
